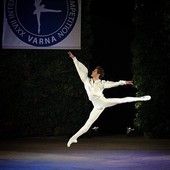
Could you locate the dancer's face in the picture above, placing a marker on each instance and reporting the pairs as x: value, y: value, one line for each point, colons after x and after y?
x: 95, y: 74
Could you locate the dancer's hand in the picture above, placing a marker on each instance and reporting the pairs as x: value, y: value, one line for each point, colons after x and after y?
x: 129, y: 82
x: 71, y: 54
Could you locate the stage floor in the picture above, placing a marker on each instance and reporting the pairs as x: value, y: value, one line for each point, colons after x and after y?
x: 95, y: 153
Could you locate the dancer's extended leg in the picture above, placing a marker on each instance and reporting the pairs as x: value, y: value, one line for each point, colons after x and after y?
x: 95, y: 113
x: 114, y: 101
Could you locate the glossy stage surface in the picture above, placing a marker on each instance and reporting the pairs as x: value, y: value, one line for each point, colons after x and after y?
x: 94, y: 153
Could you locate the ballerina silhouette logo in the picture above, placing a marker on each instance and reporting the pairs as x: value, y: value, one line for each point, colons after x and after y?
x: 41, y: 23
x: 39, y: 9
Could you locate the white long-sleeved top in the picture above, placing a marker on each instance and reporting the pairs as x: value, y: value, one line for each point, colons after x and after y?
x: 93, y: 88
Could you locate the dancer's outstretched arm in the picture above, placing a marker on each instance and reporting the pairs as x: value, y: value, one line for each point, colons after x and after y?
x: 110, y: 84
x: 129, y: 82
x: 81, y: 68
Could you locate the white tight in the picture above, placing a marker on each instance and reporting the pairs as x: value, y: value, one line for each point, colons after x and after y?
x: 95, y: 113
x: 99, y: 106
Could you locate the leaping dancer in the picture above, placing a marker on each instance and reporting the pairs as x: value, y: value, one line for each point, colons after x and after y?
x: 39, y: 8
x: 94, y: 87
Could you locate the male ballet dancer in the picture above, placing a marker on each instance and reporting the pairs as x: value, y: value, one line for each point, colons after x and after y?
x: 94, y: 87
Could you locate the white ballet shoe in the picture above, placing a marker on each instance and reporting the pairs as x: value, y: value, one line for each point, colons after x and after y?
x: 71, y: 141
x: 145, y: 98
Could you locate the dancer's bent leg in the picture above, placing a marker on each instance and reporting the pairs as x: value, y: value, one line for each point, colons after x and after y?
x: 95, y: 113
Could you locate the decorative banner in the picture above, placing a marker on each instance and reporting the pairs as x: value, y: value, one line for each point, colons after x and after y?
x: 42, y: 24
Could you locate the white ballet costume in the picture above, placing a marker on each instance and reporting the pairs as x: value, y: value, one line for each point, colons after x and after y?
x: 95, y: 94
